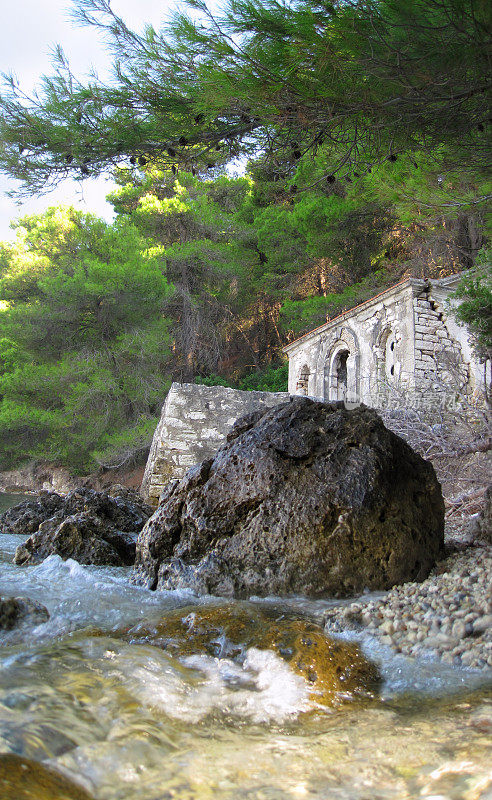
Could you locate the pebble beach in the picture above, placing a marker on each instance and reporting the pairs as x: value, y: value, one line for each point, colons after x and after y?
x: 448, y: 615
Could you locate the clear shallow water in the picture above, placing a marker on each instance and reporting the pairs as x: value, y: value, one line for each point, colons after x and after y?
x: 131, y: 721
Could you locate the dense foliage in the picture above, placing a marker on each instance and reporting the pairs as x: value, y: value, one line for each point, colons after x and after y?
x: 365, y: 126
x: 364, y: 80
x: 83, y: 340
x: 475, y: 310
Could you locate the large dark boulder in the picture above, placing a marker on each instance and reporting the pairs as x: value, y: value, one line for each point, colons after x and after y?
x: 91, y: 527
x: 307, y: 498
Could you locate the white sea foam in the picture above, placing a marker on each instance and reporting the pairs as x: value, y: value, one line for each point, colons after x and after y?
x: 263, y: 689
x: 78, y: 596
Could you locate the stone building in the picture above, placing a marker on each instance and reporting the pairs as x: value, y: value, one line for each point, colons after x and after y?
x: 403, y: 343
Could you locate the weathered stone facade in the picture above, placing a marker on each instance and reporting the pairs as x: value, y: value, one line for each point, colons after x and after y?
x: 402, y: 343
x: 194, y: 423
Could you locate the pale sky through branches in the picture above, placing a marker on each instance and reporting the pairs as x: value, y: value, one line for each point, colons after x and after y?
x: 30, y: 30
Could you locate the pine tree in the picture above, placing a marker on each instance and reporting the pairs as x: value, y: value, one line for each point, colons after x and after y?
x: 365, y: 80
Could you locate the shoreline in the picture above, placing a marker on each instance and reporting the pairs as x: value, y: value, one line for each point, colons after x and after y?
x: 448, y: 615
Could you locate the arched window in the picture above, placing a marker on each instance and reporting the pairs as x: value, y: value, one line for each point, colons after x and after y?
x: 390, y: 368
x: 340, y: 375
x: 302, y: 385
x: 341, y: 369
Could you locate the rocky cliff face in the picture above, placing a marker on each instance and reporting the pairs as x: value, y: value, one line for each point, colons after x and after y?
x: 306, y: 498
x: 43, y: 476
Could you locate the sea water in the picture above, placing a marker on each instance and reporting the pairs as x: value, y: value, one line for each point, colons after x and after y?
x: 133, y: 721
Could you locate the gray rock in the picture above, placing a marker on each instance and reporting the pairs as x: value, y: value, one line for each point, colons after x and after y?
x: 84, y: 537
x: 91, y: 527
x: 26, y: 517
x: 307, y: 498
x: 459, y: 629
x: 21, y: 611
x: 482, y: 625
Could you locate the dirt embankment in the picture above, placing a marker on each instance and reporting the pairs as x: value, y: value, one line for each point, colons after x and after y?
x: 36, y: 476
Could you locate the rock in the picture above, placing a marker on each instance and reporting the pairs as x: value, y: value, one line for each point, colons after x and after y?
x: 26, y: 517
x: 482, y: 625
x: 35, y: 476
x: 83, y: 537
x: 459, y: 629
x: 387, y: 627
x: 131, y: 496
x: 465, y: 636
x: 24, y: 779
x: 307, y: 498
x: 17, y: 611
x: 91, y: 527
x: 335, y: 671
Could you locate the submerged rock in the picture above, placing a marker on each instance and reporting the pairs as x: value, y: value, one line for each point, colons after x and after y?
x: 307, y: 498
x: 91, y: 527
x: 21, y: 611
x: 24, y: 779
x: 334, y: 671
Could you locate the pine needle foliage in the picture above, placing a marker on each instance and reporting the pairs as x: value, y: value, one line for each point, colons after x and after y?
x: 365, y: 80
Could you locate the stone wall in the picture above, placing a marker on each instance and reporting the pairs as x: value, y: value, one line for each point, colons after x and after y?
x: 440, y: 364
x: 376, y: 339
x: 195, y: 421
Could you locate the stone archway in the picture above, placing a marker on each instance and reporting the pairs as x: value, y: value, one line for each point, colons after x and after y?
x: 341, y: 368
x: 339, y: 375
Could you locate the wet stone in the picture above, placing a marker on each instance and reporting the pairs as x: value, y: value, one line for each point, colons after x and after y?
x: 24, y: 779
x: 335, y: 672
x: 21, y: 611
x: 91, y: 527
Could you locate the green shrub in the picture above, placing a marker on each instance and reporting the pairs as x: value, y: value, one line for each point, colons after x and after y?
x: 272, y: 379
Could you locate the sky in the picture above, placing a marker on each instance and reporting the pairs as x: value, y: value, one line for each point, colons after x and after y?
x: 29, y: 31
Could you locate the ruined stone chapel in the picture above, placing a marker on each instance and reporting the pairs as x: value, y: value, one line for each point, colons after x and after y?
x: 402, y: 343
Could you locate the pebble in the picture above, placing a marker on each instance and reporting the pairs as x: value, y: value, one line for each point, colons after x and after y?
x: 448, y: 614
x: 482, y: 625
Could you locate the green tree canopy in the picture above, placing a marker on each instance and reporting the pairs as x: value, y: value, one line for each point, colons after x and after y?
x: 475, y: 310
x: 362, y: 80
x: 83, y: 338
